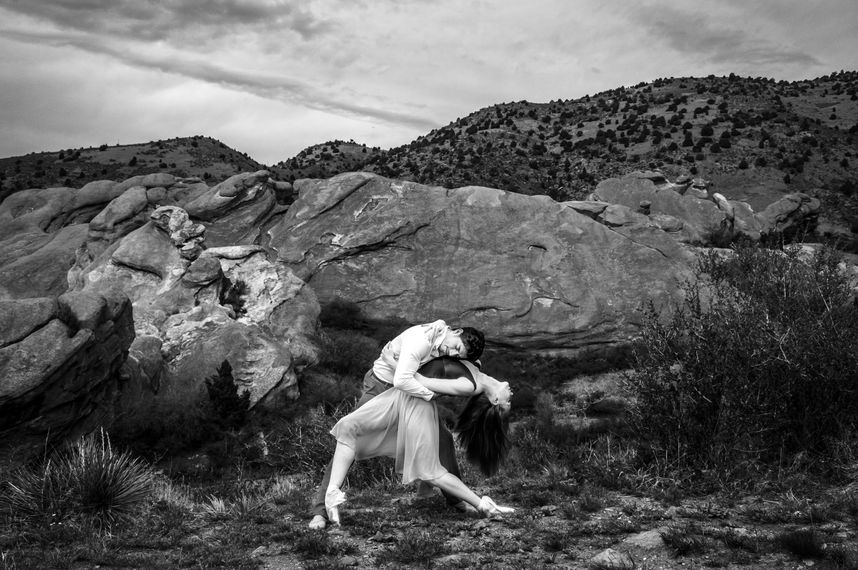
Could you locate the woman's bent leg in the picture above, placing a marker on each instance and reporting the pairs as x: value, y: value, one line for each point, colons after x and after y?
x: 452, y: 485
x: 371, y: 388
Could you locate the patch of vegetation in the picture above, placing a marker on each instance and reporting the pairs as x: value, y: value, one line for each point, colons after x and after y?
x: 418, y: 547
x: 86, y: 482
x: 176, y: 427
x: 803, y: 543
x: 758, y: 367
x: 230, y: 408
x: 686, y: 539
x: 233, y: 295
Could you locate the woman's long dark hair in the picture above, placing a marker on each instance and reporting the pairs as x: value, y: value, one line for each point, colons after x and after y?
x: 483, y: 432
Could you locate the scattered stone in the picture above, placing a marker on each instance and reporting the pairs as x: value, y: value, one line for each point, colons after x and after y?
x: 610, y: 559
x: 648, y: 540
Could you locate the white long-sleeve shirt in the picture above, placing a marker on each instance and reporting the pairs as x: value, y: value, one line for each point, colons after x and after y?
x: 401, y: 357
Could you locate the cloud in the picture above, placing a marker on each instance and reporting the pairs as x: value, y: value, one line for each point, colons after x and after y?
x: 716, y: 41
x: 270, y: 86
x: 170, y: 19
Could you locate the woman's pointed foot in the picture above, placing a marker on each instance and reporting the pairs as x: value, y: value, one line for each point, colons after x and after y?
x: 334, y: 497
x: 489, y: 508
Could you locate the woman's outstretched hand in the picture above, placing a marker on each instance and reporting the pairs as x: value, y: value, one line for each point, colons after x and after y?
x: 489, y: 508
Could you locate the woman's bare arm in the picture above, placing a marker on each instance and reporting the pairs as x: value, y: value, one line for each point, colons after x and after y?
x: 449, y: 387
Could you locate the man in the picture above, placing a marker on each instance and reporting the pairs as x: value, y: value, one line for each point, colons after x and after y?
x: 397, y: 367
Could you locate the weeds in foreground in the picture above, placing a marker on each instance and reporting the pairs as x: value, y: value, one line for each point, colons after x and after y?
x: 414, y: 547
x: 685, y: 540
x: 86, y: 480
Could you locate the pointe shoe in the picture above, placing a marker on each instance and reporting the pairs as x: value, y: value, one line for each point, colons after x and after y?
x: 333, y: 499
x: 489, y: 508
x: 318, y: 522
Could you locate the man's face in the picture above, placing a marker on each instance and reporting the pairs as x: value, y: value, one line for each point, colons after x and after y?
x: 452, y: 345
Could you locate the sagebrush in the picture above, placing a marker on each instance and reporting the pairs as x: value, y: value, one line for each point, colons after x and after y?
x: 758, y: 367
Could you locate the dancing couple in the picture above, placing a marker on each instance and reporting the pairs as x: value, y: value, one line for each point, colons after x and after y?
x: 397, y: 417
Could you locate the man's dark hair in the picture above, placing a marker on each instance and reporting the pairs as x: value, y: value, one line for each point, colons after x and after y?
x: 474, y: 342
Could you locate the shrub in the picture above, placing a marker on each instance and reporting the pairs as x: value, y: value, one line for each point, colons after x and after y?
x: 85, y: 480
x: 232, y: 295
x: 230, y: 408
x: 347, y: 352
x: 758, y: 365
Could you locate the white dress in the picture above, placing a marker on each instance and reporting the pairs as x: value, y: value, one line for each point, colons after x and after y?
x: 394, y: 424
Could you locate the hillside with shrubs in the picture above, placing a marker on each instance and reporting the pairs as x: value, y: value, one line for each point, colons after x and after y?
x: 754, y: 139
x: 203, y: 157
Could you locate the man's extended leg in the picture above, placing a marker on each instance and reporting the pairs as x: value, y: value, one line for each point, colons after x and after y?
x: 447, y: 456
x: 372, y: 387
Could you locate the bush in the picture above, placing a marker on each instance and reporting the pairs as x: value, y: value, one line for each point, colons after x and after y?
x: 86, y: 480
x: 758, y: 365
x: 230, y: 408
x: 233, y: 295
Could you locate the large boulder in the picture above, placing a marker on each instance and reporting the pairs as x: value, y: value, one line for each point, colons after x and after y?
x: 531, y: 272
x: 43, y: 271
x: 235, y: 208
x: 60, y: 362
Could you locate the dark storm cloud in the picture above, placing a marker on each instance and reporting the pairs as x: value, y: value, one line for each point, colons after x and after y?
x: 693, y: 33
x: 165, y: 19
x: 268, y: 86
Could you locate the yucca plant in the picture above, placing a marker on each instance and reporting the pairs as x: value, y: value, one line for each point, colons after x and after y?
x: 88, y: 479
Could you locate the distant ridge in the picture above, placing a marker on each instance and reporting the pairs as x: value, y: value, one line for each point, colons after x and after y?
x: 754, y: 139
x: 204, y: 157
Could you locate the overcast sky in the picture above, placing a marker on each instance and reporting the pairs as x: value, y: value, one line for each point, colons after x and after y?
x: 271, y: 77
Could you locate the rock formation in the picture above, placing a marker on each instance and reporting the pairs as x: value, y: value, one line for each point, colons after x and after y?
x: 65, y: 249
x: 531, y: 272
x: 222, y: 273
x: 694, y: 214
x: 61, y: 361
x: 179, y: 293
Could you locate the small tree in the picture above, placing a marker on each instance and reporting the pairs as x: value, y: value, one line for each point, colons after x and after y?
x: 230, y: 408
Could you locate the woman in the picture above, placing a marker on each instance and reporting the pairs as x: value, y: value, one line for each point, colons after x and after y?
x: 395, y: 424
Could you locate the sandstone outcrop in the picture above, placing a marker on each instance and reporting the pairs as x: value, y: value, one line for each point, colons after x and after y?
x: 45, y: 232
x: 60, y: 362
x: 179, y: 291
x: 192, y: 307
x: 531, y: 272
x: 235, y: 209
x: 698, y: 216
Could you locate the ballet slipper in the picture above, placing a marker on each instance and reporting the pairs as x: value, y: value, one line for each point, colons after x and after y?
x: 333, y: 499
x: 489, y: 508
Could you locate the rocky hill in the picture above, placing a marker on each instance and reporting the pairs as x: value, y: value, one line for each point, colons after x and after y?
x: 203, y: 157
x: 754, y: 139
x: 327, y: 159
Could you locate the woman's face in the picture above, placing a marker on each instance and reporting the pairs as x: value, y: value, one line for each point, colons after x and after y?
x: 500, y: 394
